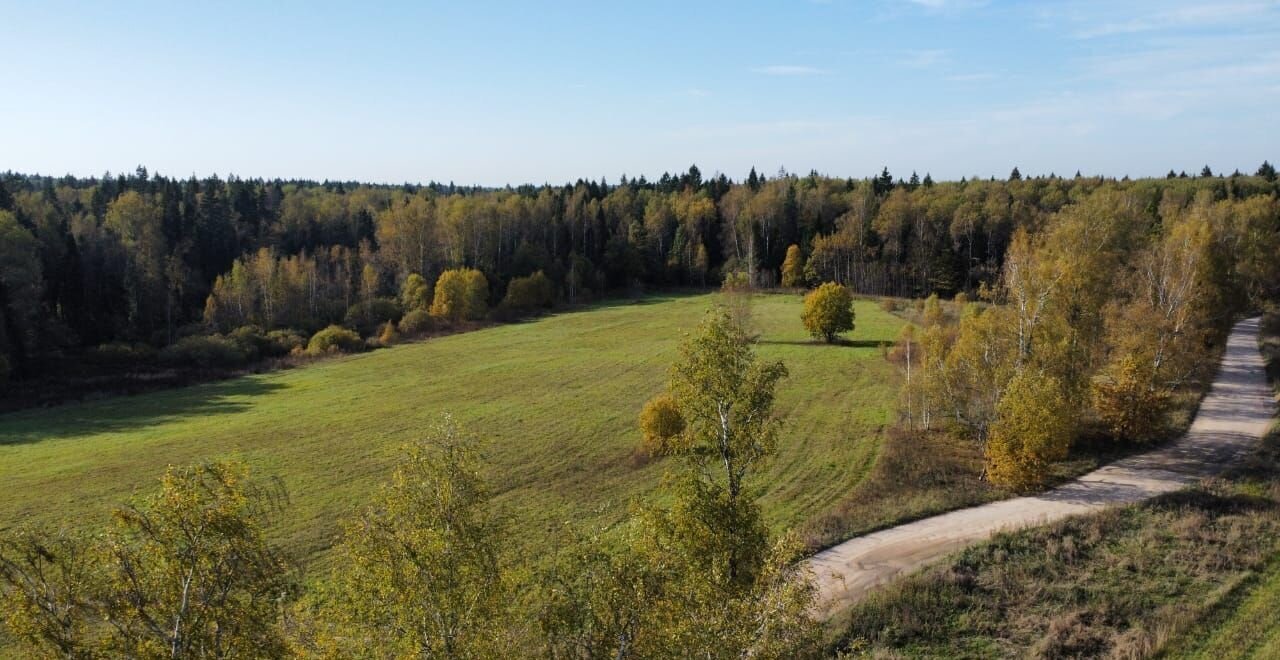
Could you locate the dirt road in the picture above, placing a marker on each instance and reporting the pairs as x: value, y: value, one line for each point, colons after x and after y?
x: 1233, y: 416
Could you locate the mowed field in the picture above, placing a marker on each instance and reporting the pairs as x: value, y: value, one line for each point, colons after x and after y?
x: 553, y: 400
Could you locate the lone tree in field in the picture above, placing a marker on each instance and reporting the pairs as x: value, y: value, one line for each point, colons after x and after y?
x: 828, y: 311
x: 793, y: 268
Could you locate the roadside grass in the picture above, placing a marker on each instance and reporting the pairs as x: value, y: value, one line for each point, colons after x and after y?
x: 553, y: 399
x: 1192, y: 574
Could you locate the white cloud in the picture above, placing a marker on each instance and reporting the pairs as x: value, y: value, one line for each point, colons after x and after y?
x: 924, y: 59
x: 787, y: 70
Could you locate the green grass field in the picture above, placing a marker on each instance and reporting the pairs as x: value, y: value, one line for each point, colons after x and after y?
x: 554, y: 400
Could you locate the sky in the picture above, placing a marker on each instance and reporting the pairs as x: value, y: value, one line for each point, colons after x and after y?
x: 492, y: 93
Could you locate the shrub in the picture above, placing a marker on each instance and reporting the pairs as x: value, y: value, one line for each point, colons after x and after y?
x: 793, y: 268
x: 368, y: 316
x: 251, y: 339
x: 389, y: 335
x: 1129, y: 404
x: 205, y: 352
x: 660, y: 424
x: 1032, y: 429
x: 283, y: 342
x: 889, y: 304
x: 828, y: 311
x: 415, y: 293
x: 120, y: 354
x: 461, y: 294
x: 526, y: 293
x: 415, y: 321
x: 335, y: 339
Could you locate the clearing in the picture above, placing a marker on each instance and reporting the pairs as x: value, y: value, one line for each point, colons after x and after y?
x: 555, y: 401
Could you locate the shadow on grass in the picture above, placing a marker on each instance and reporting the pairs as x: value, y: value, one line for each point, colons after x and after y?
x: 125, y: 414
x: 845, y: 343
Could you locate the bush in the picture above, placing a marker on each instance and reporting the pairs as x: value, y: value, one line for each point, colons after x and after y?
x: 416, y: 321
x: 415, y: 293
x: 120, y: 354
x: 660, y: 423
x: 368, y: 316
x: 335, y: 339
x: 205, y: 352
x: 1032, y: 430
x: 527, y: 293
x: 389, y: 335
x: 283, y: 342
x: 828, y: 311
x: 461, y: 294
x: 251, y: 339
x: 1129, y: 404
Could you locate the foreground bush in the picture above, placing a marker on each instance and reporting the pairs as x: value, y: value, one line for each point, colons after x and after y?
x: 185, y: 573
x: 205, y: 352
x: 828, y: 311
x: 335, y: 339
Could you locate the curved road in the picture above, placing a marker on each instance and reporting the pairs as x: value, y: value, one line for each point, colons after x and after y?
x: 1233, y: 416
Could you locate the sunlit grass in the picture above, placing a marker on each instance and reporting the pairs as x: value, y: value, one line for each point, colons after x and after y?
x: 554, y: 400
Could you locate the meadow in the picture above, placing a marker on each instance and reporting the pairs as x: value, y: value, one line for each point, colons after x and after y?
x: 553, y: 400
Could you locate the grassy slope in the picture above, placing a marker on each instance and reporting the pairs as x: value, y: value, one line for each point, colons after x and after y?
x: 555, y: 399
x: 1247, y: 623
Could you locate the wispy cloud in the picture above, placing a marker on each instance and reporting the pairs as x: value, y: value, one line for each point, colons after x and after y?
x: 971, y: 77
x: 1186, y: 16
x: 788, y: 70
x: 943, y: 5
x: 924, y: 59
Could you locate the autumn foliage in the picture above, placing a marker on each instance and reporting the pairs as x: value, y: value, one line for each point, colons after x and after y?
x: 828, y: 312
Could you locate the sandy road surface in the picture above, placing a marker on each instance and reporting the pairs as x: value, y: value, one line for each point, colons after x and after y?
x: 1233, y: 416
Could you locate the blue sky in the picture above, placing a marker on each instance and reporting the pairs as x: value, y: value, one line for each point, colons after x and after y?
x: 513, y: 92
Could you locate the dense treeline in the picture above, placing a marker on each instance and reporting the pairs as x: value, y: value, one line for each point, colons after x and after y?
x: 149, y: 259
x: 1102, y: 315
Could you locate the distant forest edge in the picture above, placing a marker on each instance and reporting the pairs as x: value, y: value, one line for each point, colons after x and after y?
x: 120, y: 267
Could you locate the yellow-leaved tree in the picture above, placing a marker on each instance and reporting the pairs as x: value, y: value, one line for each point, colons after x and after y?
x: 1032, y: 429
x: 828, y: 312
x: 793, y: 268
x: 419, y: 573
x: 461, y: 295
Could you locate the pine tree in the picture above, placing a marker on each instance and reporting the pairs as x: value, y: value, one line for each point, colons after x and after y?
x: 1266, y: 171
x: 1015, y: 175
x: 1206, y: 172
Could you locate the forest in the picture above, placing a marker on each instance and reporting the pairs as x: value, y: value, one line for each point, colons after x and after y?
x: 109, y: 270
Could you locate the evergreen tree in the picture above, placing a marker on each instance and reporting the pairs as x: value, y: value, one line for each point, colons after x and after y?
x: 1266, y: 171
